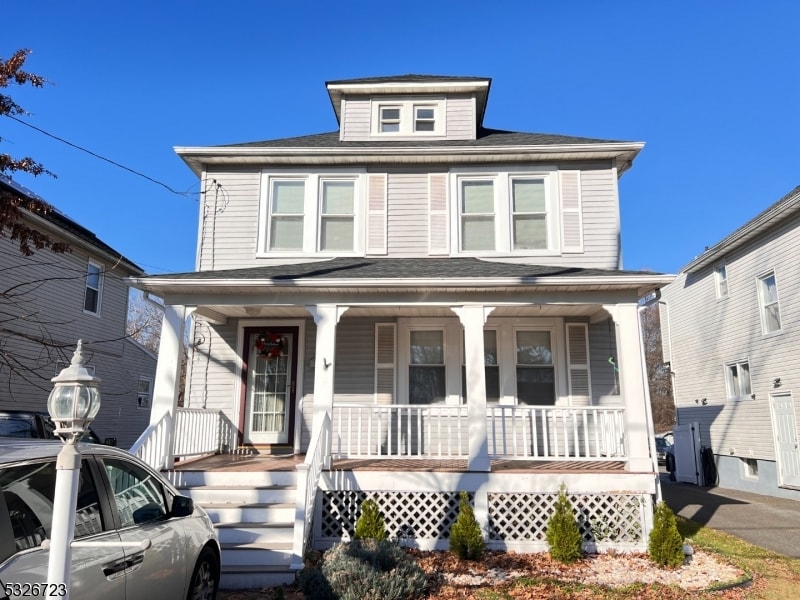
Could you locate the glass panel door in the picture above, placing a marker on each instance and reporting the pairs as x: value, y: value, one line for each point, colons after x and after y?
x: 269, y: 393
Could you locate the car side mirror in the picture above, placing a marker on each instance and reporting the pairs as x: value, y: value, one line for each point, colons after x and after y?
x: 182, y: 506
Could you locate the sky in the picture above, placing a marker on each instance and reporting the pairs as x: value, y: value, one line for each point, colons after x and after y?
x: 710, y: 87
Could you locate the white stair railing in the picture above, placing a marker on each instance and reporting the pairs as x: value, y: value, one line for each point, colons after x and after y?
x: 308, y: 475
x: 154, y: 444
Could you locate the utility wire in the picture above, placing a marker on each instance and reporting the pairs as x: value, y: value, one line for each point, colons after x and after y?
x: 116, y: 164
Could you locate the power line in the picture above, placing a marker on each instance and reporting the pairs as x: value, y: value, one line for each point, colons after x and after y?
x: 108, y: 160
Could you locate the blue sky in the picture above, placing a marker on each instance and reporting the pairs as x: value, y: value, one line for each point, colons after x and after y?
x: 710, y: 87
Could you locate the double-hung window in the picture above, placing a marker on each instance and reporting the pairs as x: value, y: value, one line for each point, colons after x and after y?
x: 535, y: 368
x: 94, y: 284
x: 337, y: 215
x: 737, y: 375
x: 768, y: 303
x: 425, y: 118
x: 426, y: 369
x: 389, y: 119
x: 529, y: 214
x: 721, y: 280
x: 144, y: 392
x: 477, y: 214
x: 286, y: 214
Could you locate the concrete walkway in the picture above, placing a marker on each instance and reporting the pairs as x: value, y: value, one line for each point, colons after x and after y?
x: 772, y: 523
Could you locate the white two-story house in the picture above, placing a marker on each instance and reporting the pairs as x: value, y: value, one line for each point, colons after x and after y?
x: 413, y: 305
x: 730, y: 329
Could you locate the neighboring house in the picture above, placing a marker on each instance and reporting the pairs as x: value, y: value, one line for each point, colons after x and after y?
x: 419, y: 305
x: 51, y: 300
x: 731, y: 331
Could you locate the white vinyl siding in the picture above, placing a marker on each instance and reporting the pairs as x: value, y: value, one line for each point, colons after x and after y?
x: 438, y: 215
x: 408, y: 216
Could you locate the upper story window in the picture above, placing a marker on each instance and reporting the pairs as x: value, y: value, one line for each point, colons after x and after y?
x: 505, y: 212
x: 737, y: 377
x: 94, y: 288
x: 311, y: 213
x: 721, y: 280
x: 144, y: 392
x: 402, y: 117
x: 768, y: 303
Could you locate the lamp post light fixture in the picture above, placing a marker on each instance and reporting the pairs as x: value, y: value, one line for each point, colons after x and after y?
x: 73, y: 404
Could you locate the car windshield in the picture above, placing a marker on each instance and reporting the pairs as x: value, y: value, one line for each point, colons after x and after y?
x: 661, y: 443
x: 16, y: 427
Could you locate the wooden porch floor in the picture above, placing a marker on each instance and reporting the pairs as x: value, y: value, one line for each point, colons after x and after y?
x: 261, y: 462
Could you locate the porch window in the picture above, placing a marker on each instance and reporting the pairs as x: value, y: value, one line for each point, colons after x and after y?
x: 535, y: 371
x: 491, y: 368
x: 426, y: 370
x: 768, y: 301
x: 477, y: 215
x: 337, y: 215
x: 286, y: 215
x: 529, y: 214
x: 738, y: 380
x: 94, y: 283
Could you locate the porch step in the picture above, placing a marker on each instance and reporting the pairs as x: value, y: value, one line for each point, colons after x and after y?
x: 253, y: 514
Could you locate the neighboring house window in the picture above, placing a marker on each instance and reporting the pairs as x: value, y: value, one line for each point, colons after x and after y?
x: 94, y: 287
x: 535, y: 371
x: 426, y: 370
x: 721, y: 279
x: 529, y: 214
x: 477, y: 215
x: 491, y: 368
x: 390, y: 119
x: 286, y: 204
x: 337, y: 215
x: 145, y: 392
x: 768, y: 301
x: 738, y: 380
x: 424, y: 118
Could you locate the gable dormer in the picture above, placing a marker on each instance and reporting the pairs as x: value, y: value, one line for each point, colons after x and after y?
x: 409, y: 108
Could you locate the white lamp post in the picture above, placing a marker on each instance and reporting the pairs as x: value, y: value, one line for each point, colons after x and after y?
x: 72, y: 404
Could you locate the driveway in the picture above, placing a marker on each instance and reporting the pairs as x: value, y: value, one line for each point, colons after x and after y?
x: 772, y: 523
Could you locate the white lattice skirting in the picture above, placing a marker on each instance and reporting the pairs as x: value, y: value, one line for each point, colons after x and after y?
x: 511, y: 521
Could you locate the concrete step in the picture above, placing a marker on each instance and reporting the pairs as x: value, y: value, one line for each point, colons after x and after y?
x: 231, y: 512
x: 246, y: 533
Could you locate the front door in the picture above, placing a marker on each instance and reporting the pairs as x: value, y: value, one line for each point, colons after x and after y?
x: 784, y: 426
x: 270, y: 383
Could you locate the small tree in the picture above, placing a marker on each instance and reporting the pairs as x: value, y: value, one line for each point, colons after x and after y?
x: 466, y: 539
x: 666, y: 544
x: 563, y: 534
x: 370, y: 524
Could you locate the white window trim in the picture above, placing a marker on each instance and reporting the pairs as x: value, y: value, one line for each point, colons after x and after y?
x: 506, y: 329
x: 408, y: 106
x: 312, y: 211
x: 762, y: 307
x: 729, y: 381
x: 718, y: 280
x: 503, y: 225
x: 100, y: 279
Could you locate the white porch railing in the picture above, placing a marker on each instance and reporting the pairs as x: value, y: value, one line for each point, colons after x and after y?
x: 561, y: 433
x: 400, y: 431
x: 308, y: 474
x: 196, y: 432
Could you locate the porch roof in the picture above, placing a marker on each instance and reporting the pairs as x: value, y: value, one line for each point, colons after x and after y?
x: 395, y: 274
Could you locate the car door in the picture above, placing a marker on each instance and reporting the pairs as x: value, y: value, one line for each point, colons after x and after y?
x: 158, y: 571
x: 26, y: 516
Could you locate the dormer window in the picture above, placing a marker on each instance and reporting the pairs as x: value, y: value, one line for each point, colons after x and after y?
x: 407, y: 118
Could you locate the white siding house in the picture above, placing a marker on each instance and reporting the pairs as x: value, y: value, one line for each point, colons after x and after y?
x: 50, y: 301
x: 730, y: 330
x: 414, y: 305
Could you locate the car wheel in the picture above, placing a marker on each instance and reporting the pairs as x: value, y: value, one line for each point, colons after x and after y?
x: 205, y: 577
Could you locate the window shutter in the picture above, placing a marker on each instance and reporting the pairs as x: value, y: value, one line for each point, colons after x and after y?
x: 438, y: 224
x: 580, y: 387
x: 376, y: 214
x: 571, y: 212
x: 384, y: 363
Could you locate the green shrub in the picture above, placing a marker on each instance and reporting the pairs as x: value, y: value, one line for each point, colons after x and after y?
x: 563, y: 534
x: 666, y: 544
x: 365, y: 569
x: 466, y: 539
x: 370, y: 524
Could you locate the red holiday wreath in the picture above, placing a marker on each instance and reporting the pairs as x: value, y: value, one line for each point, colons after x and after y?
x: 270, y: 345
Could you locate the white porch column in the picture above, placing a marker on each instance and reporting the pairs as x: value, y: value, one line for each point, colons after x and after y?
x: 633, y: 385
x: 166, y: 387
x: 326, y: 317
x: 473, y: 318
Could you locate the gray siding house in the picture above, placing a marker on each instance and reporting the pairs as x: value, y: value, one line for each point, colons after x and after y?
x: 730, y: 330
x: 49, y: 301
x: 407, y: 307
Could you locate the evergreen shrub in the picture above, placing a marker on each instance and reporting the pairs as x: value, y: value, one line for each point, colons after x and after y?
x: 370, y: 524
x: 666, y: 544
x: 466, y: 539
x: 563, y: 534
